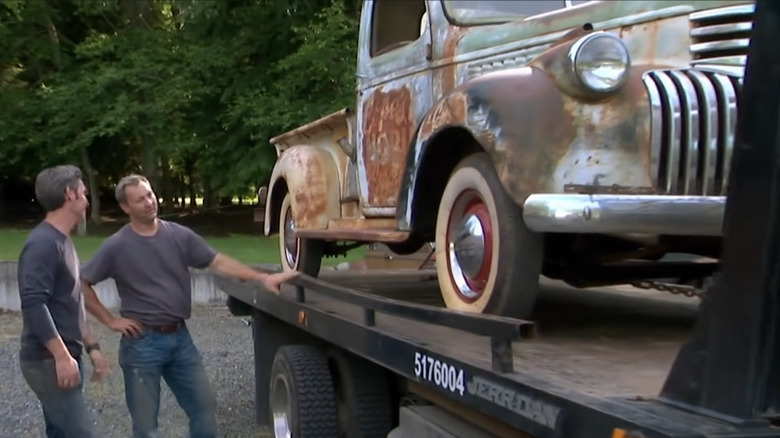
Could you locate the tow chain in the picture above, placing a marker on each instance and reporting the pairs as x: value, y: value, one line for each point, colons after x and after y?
x: 675, y: 289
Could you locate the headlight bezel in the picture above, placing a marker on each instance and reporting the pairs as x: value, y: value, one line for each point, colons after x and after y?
x: 588, y: 42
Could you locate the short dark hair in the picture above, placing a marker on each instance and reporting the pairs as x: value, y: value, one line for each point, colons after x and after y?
x: 51, y: 183
x: 129, y: 180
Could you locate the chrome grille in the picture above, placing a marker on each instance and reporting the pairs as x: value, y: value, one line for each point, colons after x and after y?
x: 721, y: 35
x: 694, y: 118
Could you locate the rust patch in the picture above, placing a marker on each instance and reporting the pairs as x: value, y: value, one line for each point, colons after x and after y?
x: 445, y: 77
x: 634, y: 116
x: 524, y: 115
x: 575, y: 33
x: 387, y: 134
x: 607, y: 190
x: 386, y: 236
x: 613, y: 142
x: 349, y: 209
x: 309, y: 186
x: 362, y: 224
x: 450, y: 111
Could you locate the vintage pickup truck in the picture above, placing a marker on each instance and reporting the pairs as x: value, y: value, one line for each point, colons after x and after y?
x: 582, y: 141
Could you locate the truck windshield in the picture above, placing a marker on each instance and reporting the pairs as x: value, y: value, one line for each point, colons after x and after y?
x: 475, y: 12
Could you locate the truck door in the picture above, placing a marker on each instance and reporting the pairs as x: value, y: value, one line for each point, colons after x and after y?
x: 394, y: 91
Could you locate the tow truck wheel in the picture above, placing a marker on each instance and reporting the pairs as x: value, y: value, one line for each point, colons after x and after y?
x: 304, y: 255
x: 363, y: 394
x: 488, y: 260
x: 302, y: 397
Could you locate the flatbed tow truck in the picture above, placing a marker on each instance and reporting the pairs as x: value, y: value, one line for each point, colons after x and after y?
x: 333, y: 360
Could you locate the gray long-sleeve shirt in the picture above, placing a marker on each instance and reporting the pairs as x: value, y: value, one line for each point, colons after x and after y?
x: 50, y: 293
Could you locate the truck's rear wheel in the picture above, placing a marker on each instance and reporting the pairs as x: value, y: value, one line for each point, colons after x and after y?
x: 488, y: 260
x: 363, y: 391
x: 302, y: 396
x: 304, y: 255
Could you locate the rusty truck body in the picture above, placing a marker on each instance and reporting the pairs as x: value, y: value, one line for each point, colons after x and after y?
x: 582, y: 141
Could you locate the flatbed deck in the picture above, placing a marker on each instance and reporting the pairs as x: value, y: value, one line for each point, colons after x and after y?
x: 595, y: 367
x: 600, y: 341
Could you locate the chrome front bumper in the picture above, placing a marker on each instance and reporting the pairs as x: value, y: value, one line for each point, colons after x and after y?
x: 625, y: 214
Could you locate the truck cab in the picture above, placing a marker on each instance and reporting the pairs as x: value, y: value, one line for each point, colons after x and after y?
x: 582, y: 141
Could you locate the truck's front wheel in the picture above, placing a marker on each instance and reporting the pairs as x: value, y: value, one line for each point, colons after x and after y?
x: 488, y: 260
x: 302, y: 396
x: 304, y: 255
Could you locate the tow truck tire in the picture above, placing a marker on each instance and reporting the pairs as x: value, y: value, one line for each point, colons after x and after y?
x: 496, y: 269
x: 363, y: 391
x: 302, y: 398
x: 304, y: 255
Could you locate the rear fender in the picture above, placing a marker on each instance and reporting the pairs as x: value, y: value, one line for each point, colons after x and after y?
x: 312, y: 179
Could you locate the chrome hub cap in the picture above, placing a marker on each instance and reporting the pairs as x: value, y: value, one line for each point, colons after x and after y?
x: 469, y: 246
x: 280, y: 409
x: 290, y: 242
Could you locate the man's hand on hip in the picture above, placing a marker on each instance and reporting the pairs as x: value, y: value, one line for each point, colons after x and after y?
x: 128, y: 327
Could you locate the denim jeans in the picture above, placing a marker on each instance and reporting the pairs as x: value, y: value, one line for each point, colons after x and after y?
x: 65, y: 411
x: 172, y: 356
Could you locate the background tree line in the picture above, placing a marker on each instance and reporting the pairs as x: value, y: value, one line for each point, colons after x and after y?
x: 188, y: 92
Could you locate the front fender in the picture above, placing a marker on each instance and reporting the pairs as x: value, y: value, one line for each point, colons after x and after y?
x: 312, y: 179
x: 541, y: 139
x: 510, y: 114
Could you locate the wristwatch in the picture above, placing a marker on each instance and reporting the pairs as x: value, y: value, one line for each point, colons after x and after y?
x: 92, y: 347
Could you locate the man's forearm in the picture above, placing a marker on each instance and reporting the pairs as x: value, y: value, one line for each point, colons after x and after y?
x: 57, y: 348
x: 94, y: 306
x: 42, y: 325
x: 89, y: 334
x: 233, y: 268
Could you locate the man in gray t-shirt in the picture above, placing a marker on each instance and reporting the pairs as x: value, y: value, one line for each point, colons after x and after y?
x: 149, y: 260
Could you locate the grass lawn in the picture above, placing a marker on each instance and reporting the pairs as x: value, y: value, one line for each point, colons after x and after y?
x: 246, y: 248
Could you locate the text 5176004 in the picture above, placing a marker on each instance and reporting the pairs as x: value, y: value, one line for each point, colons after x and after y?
x: 438, y: 372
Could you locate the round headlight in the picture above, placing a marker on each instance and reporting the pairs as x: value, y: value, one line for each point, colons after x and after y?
x: 601, y: 62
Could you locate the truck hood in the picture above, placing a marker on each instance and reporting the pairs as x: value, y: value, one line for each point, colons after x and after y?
x: 602, y: 15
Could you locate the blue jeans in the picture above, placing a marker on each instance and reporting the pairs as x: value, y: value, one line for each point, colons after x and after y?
x: 173, y: 357
x: 64, y: 410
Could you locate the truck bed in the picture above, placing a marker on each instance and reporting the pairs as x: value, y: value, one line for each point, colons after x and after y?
x: 595, y: 369
x: 603, y: 341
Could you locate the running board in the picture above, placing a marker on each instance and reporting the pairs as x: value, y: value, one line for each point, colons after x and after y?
x: 384, y: 236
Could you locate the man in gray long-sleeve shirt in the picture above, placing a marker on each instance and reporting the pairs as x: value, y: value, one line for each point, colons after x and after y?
x: 54, y: 321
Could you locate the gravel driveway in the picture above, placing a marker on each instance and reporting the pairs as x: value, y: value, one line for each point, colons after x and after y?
x: 224, y: 340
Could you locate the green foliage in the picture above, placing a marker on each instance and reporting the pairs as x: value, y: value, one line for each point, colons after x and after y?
x: 185, y: 91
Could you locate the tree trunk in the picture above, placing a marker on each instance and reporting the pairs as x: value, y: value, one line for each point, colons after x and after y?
x: 149, y: 161
x: 53, y: 33
x: 208, y: 193
x: 2, y: 203
x: 189, y: 168
x: 92, y: 184
x: 165, y: 184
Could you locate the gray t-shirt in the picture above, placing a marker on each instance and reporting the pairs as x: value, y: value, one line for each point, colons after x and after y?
x: 151, y: 272
x: 50, y: 293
